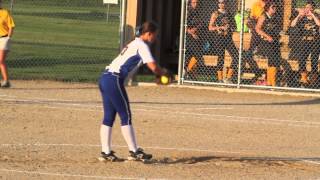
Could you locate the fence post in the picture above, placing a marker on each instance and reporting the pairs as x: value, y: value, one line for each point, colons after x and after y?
x: 11, y: 6
x: 182, y: 41
x: 123, y: 11
x: 108, y: 9
x: 241, y: 43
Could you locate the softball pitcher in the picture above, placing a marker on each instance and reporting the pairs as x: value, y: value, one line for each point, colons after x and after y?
x: 114, y: 95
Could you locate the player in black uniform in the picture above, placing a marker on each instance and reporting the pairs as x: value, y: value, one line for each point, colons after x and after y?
x: 220, y: 23
x: 268, y: 29
x: 307, y: 24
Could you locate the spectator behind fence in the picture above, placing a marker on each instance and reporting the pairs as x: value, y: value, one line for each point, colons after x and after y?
x: 6, y: 31
x: 307, y: 22
x: 294, y: 37
x: 256, y: 11
x: 220, y: 25
x: 238, y: 19
x: 268, y: 29
x: 194, y: 45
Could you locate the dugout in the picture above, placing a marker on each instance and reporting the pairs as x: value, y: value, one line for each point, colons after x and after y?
x: 167, y: 13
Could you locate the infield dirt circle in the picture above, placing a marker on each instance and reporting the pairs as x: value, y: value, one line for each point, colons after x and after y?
x: 50, y: 130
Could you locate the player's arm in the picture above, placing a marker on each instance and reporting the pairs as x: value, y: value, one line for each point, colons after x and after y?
x: 10, y: 32
x: 315, y: 18
x: 153, y: 66
x: 294, y: 22
x: 259, y: 30
x: 212, y: 26
x: 147, y: 58
x: 10, y: 24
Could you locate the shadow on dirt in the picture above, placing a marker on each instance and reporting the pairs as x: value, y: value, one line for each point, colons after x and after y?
x: 266, y: 161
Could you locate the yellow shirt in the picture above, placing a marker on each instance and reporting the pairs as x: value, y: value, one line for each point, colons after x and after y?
x: 257, y: 9
x: 6, y: 22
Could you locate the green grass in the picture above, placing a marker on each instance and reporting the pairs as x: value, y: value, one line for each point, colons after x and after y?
x: 302, y: 3
x: 69, y: 43
x: 74, y: 3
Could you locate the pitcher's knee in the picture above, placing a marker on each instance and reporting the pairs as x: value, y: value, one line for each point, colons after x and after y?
x: 108, y: 122
x: 125, y: 120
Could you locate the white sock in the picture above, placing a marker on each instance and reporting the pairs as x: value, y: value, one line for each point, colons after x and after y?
x: 105, y: 137
x: 128, y: 134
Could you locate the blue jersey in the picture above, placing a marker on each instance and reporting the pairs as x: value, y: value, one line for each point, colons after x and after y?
x: 135, y: 54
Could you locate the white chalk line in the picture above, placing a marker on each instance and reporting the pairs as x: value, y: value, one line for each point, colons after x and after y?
x: 47, y: 101
x: 306, y: 160
x: 312, y: 162
x: 249, y: 119
x: 232, y: 118
x: 70, y: 108
x: 68, y: 175
x: 276, y: 121
x: 184, y: 149
x: 239, y: 119
x: 4, y: 95
x: 92, y: 145
x: 222, y: 117
x: 123, y: 146
x: 196, y: 107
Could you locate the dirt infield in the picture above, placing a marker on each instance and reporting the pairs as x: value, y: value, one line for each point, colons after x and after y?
x: 50, y: 130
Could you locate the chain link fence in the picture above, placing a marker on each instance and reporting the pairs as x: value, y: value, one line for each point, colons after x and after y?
x: 264, y: 44
x: 67, y: 40
x: 224, y: 44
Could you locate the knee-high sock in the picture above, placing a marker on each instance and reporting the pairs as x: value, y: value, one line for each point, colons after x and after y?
x: 230, y: 74
x: 129, y: 136
x: 192, y: 63
x: 105, y: 137
x: 273, y: 76
x: 220, y: 75
x: 304, y: 77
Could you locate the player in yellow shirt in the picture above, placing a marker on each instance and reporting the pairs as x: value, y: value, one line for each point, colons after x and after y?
x: 6, y: 31
x: 257, y: 10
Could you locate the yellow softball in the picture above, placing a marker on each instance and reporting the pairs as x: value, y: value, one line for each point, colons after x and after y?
x: 164, y: 80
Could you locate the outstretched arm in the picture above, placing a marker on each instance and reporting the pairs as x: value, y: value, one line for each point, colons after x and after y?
x: 153, y: 66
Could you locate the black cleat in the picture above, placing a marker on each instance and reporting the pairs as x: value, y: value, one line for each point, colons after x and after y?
x: 139, y: 155
x: 5, y: 84
x: 108, y: 157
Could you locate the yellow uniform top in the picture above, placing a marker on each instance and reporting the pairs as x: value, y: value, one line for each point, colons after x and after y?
x: 257, y: 9
x: 6, y: 22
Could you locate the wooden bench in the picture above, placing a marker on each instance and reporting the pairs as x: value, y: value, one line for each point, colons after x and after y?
x: 246, y: 40
x: 247, y: 37
x: 211, y: 60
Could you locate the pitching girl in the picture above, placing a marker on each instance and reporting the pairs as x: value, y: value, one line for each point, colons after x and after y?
x: 114, y: 95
